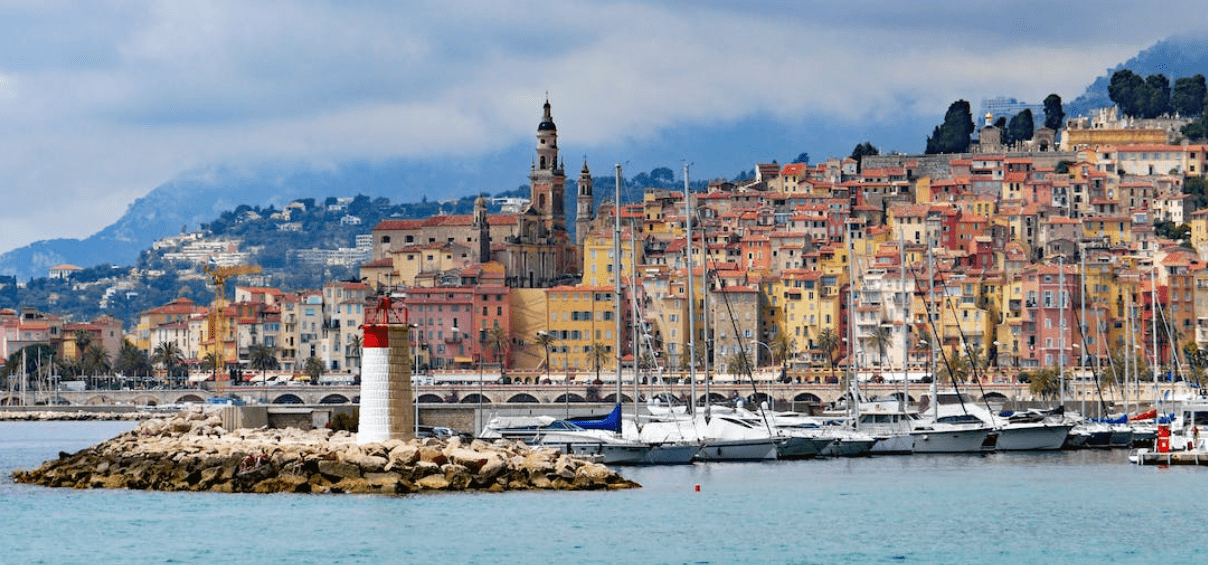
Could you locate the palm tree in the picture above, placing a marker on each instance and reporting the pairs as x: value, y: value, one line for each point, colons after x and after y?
x: 881, y: 337
x: 210, y: 361
x: 598, y: 354
x: 782, y: 347
x: 69, y: 367
x: 977, y: 361
x: 544, y: 340
x: 738, y: 364
x: 133, y: 361
x: 167, y: 355
x: 354, y: 348
x: 82, y: 340
x: 313, y: 368
x: 956, y: 369
x: 498, y: 338
x: 1044, y: 383
x: 828, y: 342
x: 686, y: 357
x: 262, y: 357
x: 96, y: 361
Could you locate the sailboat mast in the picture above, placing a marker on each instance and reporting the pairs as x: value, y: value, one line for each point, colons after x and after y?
x: 616, y: 277
x: 853, y: 376
x: 1128, y: 346
x: 1153, y: 319
x: 704, y: 269
x: 691, y: 298
x: 905, y: 316
x: 1061, y: 325
x: 633, y: 299
x: 935, y: 401
x: 1082, y: 324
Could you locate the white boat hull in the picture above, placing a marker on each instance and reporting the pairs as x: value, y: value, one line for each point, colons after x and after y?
x: 738, y: 450
x: 898, y: 444
x: 968, y: 440
x: 1032, y: 437
x: 801, y: 447
x: 671, y: 454
x: 608, y: 453
x: 849, y: 447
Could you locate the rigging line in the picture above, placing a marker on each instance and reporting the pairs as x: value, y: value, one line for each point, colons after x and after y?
x: 936, y: 336
x: 742, y: 352
x: 1086, y: 348
x: 970, y: 355
x: 1172, y: 339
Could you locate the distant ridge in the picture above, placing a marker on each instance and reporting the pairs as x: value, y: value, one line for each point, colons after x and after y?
x: 200, y: 196
x: 1177, y: 56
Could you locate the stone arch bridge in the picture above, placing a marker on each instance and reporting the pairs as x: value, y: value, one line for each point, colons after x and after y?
x: 792, y: 394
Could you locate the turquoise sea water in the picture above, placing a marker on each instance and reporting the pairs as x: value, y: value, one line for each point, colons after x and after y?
x: 1077, y: 507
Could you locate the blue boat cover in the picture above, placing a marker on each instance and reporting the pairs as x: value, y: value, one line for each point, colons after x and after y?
x: 611, y: 422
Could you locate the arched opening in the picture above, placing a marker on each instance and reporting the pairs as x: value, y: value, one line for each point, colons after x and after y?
x: 429, y: 398
x: 759, y: 397
x: 334, y: 399
x: 713, y: 398
x: 287, y: 399
x: 807, y: 397
x: 190, y: 398
x: 613, y: 398
x: 995, y: 397
x: 570, y: 397
x: 523, y: 398
x: 474, y: 399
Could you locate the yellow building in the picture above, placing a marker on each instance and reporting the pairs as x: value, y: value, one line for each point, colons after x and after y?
x: 1199, y: 231
x: 1114, y: 230
x: 529, y: 317
x: 580, y: 317
x: 412, y: 260
x: 599, y: 263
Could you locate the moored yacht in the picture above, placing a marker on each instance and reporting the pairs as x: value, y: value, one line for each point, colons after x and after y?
x: 567, y: 437
x: 1011, y: 435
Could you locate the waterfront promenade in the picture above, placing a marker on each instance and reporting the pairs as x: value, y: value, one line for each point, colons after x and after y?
x: 557, y: 391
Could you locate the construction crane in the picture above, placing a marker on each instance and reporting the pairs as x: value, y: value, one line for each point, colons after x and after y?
x: 217, y: 322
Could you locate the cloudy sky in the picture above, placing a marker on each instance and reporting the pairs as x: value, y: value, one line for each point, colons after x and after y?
x: 102, y: 101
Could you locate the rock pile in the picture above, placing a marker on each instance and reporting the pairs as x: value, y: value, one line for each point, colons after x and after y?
x: 78, y: 415
x: 192, y: 452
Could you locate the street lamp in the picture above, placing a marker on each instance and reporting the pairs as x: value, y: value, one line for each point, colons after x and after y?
x: 755, y: 363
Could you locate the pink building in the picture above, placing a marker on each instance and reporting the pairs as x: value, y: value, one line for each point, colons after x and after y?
x: 453, y: 325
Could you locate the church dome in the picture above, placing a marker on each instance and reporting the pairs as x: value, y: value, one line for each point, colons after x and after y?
x: 547, y: 119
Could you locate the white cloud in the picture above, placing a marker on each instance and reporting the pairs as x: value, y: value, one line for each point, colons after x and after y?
x: 89, y: 124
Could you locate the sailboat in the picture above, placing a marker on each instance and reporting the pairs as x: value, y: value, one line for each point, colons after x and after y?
x: 947, y: 434
x: 726, y: 436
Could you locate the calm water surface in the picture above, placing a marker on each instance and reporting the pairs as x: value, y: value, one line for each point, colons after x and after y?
x: 1079, y: 507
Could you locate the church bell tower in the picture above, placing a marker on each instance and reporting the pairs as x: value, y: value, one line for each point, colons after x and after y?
x: 585, y: 208
x: 547, y: 180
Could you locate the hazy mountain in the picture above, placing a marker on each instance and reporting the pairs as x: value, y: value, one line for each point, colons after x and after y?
x: 1175, y: 57
x: 198, y: 197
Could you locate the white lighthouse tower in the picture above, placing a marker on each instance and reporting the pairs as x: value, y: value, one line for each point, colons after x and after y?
x: 386, y: 402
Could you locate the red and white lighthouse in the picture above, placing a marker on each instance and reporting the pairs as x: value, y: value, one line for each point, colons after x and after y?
x: 386, y: 402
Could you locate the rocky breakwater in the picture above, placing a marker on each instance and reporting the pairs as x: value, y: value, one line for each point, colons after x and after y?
x: 69, y: 415
x: 192, y: 452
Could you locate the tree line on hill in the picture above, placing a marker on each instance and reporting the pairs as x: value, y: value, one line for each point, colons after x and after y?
x: 955, y: 135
